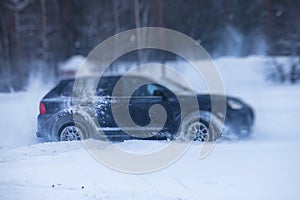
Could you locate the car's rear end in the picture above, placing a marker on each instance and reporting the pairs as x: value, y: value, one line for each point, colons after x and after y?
x: 51, y: 104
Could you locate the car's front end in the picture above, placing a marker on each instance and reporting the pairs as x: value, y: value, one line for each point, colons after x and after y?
x: 239, y: 120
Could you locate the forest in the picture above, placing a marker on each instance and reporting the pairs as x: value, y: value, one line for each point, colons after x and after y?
x: 37, y: 35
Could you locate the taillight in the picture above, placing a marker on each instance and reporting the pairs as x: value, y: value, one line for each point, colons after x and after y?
x: 42, y: 108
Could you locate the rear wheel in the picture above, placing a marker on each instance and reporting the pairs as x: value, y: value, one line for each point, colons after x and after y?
x: 76, y: 131
x: 70, y: 133
x: 80, y: 128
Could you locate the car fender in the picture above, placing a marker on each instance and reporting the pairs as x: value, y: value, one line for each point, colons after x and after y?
x: 206, y: 116
x: 71, y: 116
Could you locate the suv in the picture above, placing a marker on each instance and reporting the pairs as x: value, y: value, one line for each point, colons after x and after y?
x: 69, y: 114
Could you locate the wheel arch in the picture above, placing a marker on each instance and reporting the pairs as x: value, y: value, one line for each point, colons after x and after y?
x: 205, y: 116
x: 69, y: 117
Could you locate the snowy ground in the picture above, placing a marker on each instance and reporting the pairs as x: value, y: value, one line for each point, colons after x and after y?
x: 266, y: 166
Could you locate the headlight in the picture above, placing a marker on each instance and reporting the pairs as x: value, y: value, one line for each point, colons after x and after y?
x: 234, y: 104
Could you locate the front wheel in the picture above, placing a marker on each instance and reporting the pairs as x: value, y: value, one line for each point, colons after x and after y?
x: 199, y: 130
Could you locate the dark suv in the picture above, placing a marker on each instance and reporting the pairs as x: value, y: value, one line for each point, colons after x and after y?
x: 66, y: 115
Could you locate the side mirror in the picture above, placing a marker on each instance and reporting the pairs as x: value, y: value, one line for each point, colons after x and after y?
x: 160, y: 93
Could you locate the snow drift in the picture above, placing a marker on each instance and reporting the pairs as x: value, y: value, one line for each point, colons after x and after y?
x: 265, y: 166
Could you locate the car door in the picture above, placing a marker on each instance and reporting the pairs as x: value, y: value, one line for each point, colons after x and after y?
x: 143, y: 107
x: 103, y: 103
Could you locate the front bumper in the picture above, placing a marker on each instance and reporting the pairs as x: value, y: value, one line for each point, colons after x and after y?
x: 239, y: 123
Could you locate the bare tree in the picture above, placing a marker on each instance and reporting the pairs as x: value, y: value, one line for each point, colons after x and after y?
x: 138, y: 25
x: 294, y: 74
x: 15, y: 7
x: 116, y: 16
x: 44, y: 33
x: 6, y: 62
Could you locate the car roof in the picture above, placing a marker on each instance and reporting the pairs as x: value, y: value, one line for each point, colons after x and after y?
x: 171, y: 84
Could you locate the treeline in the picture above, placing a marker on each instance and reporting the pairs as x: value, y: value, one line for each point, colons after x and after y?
x: 35, y: 35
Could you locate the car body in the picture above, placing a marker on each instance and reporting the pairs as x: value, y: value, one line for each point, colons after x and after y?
x: 64, y: 115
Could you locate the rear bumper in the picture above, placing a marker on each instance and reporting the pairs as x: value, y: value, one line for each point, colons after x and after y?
x: 41, y: 134
x: 44, y: 126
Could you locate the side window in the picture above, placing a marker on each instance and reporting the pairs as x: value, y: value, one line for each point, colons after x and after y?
x: 86, y: 87
x: 151, y: 88
x: 141, y: 91
x: 125, y: 86
x: 147, y: 90
x: 105, y: 86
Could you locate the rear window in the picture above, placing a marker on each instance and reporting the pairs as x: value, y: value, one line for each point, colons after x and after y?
x: 68, y: 89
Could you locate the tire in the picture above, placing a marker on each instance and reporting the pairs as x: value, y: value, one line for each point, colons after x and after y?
x: 200, y: 131
x: 198, y: 128
x: 70, y: 132
x: 79, y: 130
